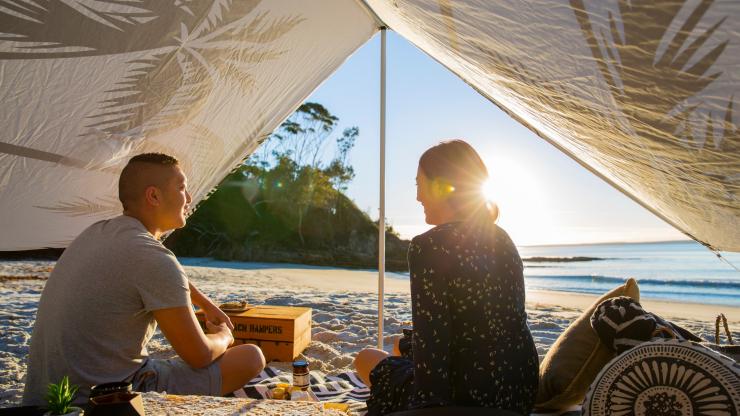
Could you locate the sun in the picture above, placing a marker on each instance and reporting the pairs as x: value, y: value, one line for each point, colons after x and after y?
x: 521, y: 199
x: 489, y: 191
x: 511, y: 185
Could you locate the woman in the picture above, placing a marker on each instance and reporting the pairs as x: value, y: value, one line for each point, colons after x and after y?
x: 471, y: 345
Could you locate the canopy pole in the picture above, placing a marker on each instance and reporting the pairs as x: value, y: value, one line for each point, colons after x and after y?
x: 381, y: 219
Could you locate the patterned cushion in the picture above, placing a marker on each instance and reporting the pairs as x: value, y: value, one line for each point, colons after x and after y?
x: 622, y: 323
x: 666, y: 378
x: 576, y: 357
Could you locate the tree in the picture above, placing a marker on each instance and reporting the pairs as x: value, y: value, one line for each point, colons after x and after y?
x: 339, y: 170
x: 289, y: 164
x: 302, y: 137
x: 285, y: 204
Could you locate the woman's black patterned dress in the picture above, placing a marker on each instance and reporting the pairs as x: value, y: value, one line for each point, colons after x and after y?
x: 471, y: 343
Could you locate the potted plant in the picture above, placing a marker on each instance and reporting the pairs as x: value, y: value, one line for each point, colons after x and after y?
x: 60, y: 397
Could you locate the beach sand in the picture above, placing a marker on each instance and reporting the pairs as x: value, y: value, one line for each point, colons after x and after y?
x: 344, y: 306
x: 673, y: 311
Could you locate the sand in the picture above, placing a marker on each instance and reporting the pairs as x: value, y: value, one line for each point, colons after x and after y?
x: 673, y: 311
x: 344, y: 306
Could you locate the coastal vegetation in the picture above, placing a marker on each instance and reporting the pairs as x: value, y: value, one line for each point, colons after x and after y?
x: 286, y: 203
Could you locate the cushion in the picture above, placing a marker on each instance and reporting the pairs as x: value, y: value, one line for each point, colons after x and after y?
x: 576, y: 357
x: 621, y: 323
x: 666, y: 377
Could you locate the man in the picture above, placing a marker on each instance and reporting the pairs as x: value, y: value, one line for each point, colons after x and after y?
x: 114, y: 284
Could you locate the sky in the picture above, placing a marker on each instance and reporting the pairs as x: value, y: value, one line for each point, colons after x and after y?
x: 544, y: 196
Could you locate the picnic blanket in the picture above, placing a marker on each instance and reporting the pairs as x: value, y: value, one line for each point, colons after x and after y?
x: 340, y: 388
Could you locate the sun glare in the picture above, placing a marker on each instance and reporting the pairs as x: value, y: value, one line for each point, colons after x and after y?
x: 489, y: 190
x: 521, y: 200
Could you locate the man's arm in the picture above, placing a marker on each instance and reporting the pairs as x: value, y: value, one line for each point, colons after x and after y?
x: 182, y: 330
x: 213, y: 313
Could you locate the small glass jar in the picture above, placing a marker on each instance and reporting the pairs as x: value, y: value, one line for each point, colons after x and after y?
x: 301, y: 378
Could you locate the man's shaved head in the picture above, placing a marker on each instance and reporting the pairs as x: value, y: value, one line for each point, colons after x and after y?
x: 142, y: 171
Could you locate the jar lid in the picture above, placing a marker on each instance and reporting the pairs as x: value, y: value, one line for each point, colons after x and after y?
x: 300, y: 363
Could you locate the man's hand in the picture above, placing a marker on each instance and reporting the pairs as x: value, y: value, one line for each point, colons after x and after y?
x: 183, y: 332
x: 216, y: 316
x: 213, y: 313
x: 222, y: 330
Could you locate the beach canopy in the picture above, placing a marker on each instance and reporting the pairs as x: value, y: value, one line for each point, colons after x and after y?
x: 643, y: 93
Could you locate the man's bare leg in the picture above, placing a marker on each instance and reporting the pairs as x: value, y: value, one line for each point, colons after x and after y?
x: 238, y: 365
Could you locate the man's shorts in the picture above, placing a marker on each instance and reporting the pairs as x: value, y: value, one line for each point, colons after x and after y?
x: 174, y: 376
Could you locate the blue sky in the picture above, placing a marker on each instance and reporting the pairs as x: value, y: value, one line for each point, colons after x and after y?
x: 544, y: 196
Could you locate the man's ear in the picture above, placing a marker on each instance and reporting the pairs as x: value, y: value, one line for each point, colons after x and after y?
x: 152, y: 195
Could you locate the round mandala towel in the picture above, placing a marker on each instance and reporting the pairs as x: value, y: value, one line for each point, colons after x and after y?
x: 666, y: 378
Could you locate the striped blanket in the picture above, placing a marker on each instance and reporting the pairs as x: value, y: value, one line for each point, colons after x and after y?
x: 340, y: 388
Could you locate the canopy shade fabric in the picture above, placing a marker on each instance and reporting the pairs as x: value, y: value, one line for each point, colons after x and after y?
x: 88, y: 84
x: 642, y: 93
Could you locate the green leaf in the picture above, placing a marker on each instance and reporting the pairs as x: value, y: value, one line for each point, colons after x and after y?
x: 60, y: 396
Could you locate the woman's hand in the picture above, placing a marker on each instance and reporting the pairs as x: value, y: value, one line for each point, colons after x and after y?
x: 396, y: 349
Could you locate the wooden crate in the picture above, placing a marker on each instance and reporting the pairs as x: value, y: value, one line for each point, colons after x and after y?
x: 282, y: 332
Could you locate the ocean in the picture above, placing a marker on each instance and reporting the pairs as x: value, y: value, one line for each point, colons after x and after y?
x: 683, y: 271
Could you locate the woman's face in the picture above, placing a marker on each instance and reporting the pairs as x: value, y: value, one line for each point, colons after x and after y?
x: 436, y: 209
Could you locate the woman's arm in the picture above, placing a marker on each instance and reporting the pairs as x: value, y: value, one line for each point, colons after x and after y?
x: 431, y: 318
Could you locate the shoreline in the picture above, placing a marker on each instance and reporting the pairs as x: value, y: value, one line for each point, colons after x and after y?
x: 326, y: 278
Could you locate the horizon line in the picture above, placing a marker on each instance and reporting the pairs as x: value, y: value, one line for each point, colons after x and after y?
x: 608, y: 243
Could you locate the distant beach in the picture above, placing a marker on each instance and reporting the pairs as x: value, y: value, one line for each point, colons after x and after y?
x: 344, y: 306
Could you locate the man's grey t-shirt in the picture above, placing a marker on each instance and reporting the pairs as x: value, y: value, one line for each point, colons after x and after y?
x: 95, y: 313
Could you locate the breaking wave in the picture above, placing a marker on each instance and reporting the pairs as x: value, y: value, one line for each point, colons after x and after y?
x: 708, y: 283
